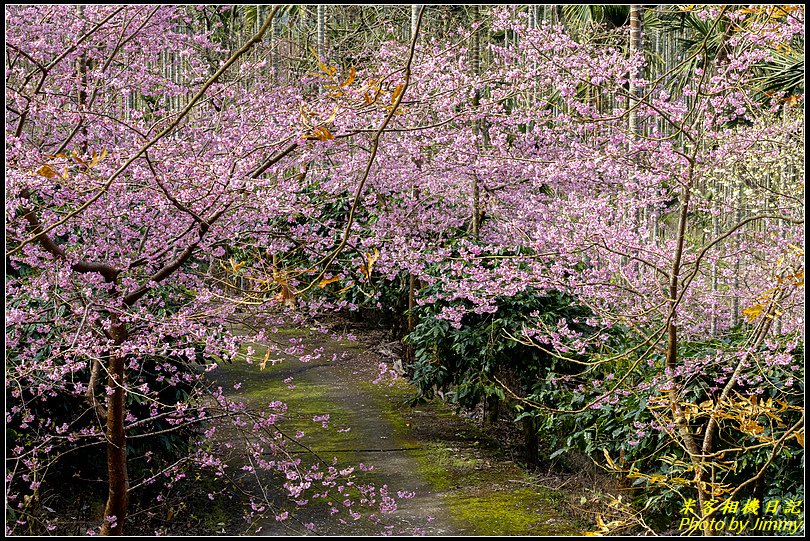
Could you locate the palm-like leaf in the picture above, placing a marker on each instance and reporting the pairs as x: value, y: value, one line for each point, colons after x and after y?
x: 784, y: 73
x: 704, y: 41
x: 580, y: 17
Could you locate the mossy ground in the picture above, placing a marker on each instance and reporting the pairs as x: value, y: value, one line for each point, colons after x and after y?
x: 457, y: 470
x: 485, y: 493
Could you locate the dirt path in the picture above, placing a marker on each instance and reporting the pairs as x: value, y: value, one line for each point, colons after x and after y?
x: 462, y: 484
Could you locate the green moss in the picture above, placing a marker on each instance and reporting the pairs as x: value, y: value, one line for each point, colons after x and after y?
x: 517, y: 512
x: 485, y: 499
x: 432, y: 469
x: 484, y: 493
x: 473, y: 478
x: 305, y: 401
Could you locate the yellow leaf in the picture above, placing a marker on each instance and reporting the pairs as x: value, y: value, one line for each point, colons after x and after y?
x: 47, y: 171
x: 304, y: 115
x: 397, y: 92
x: 235, y: 266
x: 97, y: 158
x: 350, y: 80
x: 266, y: 358
x: 280, y: 277
x: 800, y: 438
x: 707, y: 405
x: 287, y: 296
x: 365, y: 268
x: 329, y: 70
x: 322, y: 133
x: 375, y: 86
x: 326, y: 281
x: 348, y: 287
x: 372, y: 258
x: 753, y: 312
x: 609, y: 460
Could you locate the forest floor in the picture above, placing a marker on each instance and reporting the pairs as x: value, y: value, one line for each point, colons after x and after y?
x: 462, y: 481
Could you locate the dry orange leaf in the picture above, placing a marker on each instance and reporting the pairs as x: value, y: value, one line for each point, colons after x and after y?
x: 322, y: 133
x: 397, y: 92
x: 350, y: 80
x: 326, y: 281
x: 329, y: 70
x: 47, y: 171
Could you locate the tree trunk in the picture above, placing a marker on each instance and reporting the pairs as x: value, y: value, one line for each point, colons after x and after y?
x: 409, y: 355
x: 735, y: 308
x: 321, y: 32
x: 695, y: 455
x: 715, y: 275
x: 632, y: 102
x: 493, y: 410
x: 531, y: 442
x: 81, y: 68
x: 635, y: 46
x: 115, y: 512
x: 476, y: 124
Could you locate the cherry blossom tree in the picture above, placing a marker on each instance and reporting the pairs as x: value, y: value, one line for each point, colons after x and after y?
x: 115, y: 215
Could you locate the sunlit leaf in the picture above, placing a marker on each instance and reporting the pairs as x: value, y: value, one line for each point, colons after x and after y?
x: 610, y: 462
x: 322, y: 133
x: 366, y: 268
x: 47, y: 171
x: 264, y: 361
x: 350, y: 79
x: 348, y: 287
x: 791, y: 101
x: 372, y: 258
x: 753, y: 312
x: 235, y: 266
x: 329, y: 70
x: 97, y: 157
x: 397, y: 92
x: 326, y: 281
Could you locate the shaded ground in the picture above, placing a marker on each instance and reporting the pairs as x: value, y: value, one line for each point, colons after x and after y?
x: 463, y: 484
